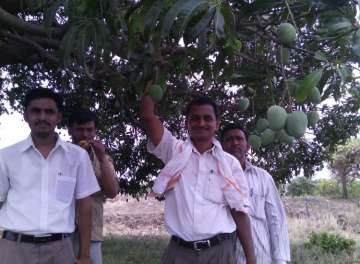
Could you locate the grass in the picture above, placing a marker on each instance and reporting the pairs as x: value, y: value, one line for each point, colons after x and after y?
x: 304, y: 215
x: 134, y: 249
x: 146, y: 249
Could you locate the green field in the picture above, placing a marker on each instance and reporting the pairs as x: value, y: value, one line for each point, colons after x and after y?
x: 137, y: 249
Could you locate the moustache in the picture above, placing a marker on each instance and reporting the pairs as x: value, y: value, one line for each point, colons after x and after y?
x: 42, y: 123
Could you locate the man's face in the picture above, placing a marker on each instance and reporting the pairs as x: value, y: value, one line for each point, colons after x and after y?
x: 85, y: 131
x: 234, y: 142
x: 42, y: 115
x: 201, y: 123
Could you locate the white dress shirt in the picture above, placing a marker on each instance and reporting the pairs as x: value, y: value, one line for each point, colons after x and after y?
x: 39, y: 194
x: 268, y: 219
x: 196, y: 208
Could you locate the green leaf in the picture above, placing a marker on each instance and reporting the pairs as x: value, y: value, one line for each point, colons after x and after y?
x: 319, y: 55
x: 151, y: 12
x: 203, y: 24
x: 307, y: 84
x: 189, y: 13
x: 355, y: 47
x: 180, y: 7
x: 50, y: 14
x: 219, y: 24
x: 67, y: 45
x: 229, y: 19
x: 345, y: 73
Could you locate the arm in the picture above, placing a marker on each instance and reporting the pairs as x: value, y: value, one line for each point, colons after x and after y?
x: 84, y: 226
x: 108, y: 183
x: 243, y: 229
x: 276, y: 220
x: 153, y: 127
x: 4, y: 182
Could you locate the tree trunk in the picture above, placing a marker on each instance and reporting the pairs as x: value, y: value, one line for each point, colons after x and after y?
x: 344, y: 185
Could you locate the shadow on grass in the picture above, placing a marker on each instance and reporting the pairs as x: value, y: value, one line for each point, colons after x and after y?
x: 134, y: 249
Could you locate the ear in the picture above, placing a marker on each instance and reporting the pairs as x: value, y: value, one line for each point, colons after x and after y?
x: 247, y: 147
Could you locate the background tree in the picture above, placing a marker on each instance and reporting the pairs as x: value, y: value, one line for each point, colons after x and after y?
x: 345, y: 164
x: 101, y: 54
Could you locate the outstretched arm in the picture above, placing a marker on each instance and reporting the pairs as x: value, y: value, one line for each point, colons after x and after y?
x: 154, y: 129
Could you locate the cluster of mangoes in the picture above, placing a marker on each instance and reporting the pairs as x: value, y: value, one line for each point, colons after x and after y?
x: 281, y: 126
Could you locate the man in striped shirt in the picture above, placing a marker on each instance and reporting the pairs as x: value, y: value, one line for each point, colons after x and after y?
x: 268, y: 218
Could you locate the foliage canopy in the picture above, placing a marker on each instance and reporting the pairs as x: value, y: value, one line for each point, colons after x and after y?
x: 102, y: 53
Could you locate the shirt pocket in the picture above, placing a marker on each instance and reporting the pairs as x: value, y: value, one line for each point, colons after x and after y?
x: 64, y: 189
x: 258, y: 205
x: 213, y: 191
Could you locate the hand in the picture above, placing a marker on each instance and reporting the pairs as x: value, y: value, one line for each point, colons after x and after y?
x: 82, y: 260
x: 99, y: 149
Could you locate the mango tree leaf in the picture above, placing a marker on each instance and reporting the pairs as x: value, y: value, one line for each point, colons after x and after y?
x: 355, y: 47
x: 219, y: 24
x: 345, y: 73
x: 319, y: 55
x: 307, y: 84
x: 203, y: 24
x: 178, y: 8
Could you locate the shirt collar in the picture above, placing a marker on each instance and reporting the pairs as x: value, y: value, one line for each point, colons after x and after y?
x: 248, y: 165
x: 28, y: 143
x: 215, y: 145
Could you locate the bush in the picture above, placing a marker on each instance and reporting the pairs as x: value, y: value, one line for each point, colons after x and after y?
x: 331, y: 243
x: 332, y: 188
x: 326, y: 187
x: 301, y: 186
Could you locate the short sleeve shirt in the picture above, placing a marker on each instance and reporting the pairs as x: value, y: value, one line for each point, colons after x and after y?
x: 39, y: 194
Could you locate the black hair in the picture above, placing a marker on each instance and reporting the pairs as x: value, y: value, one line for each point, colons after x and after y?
x: 43, y: 93
x: 81, y: 116
x: 202, y: 100
x: 232, y: 126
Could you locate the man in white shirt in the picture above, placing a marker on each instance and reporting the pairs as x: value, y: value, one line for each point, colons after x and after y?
x: 41, y: 178
x: 206, y: 195
x: 268, y: 218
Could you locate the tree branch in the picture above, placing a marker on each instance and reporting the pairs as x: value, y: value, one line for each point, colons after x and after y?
x: 26, y: 27
x: 42, y: 52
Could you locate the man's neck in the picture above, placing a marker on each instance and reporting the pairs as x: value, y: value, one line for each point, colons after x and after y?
x: 44, y: 143
x: 202, y: 146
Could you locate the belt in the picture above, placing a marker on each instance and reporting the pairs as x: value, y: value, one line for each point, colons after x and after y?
x: 204, y: 243
x: 12, y: 236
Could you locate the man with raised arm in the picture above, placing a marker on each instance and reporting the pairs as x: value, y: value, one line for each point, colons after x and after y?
x: 267, y: 214
x: 41, y: 178
x: 206, y: 195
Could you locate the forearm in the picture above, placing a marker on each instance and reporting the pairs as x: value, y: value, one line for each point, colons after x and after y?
x: 244, y: 234
x: 151, y: 122
x: 109, y: 184
x: 84, y: 226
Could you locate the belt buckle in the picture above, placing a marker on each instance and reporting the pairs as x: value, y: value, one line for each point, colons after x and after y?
x: 200, y: 242
x: 42, y: 238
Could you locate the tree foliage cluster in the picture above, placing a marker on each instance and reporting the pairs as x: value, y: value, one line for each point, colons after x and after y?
x: 102, y: 53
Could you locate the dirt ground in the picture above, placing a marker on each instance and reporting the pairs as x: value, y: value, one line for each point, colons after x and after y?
x: 128, y: 216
